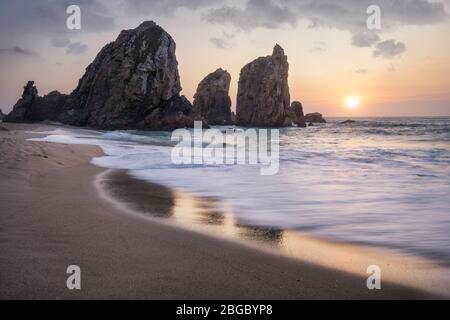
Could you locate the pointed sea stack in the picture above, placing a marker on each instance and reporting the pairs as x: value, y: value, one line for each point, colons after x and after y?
x: 263, y: 93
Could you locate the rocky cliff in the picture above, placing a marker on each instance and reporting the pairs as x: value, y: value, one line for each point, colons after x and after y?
x: 263, y: 93
x: 132, y: 83
x: 212, y: 101
x: 31, y: 107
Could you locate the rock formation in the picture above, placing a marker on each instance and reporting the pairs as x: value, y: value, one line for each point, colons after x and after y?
x: 133, y: 83
x: 22, y: 110
x: 263, y: 93
x: 296, y: 114
x: 212, y: 101
x: 2, y: 115
x: 31, y: 107
x: 233, y: 118
x: 314, y: 118
x: 348, y: 122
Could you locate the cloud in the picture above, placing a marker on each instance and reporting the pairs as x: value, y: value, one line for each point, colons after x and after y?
x: 346, y: 15
x: 162, y: 7
x: 219, y: 43
x: 31, y: 20
x: 389, y: 49
x: 16, y: 50
x: 59, y: 42
x: 319, y: 46
x: 76, y: 48
x: 361, y: 71
x: 365, y: 39
x: 257, y: 13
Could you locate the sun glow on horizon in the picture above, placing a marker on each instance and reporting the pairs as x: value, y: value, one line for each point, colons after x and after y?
x: 352, y: 102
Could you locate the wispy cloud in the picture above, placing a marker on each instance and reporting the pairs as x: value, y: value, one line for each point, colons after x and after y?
x: 389, y: 49
x: 28, y: 19
x: 163, y: 7
x: 319, y: 46
x: 365, y: 39
x: 16, y: 50
x: 76, y: 48
x: 219, y: 43
x: 361, y: 71
x: 346, y: 15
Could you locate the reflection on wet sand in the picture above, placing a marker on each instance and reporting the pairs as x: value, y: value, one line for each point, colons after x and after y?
x: 140, y: 196
x: 199, y: 212
x: 216, y: 217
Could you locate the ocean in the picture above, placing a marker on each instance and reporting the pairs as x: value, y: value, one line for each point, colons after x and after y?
x: 382, y: 182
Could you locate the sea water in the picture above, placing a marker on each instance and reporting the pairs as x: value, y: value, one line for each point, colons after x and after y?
x: 378, y: 181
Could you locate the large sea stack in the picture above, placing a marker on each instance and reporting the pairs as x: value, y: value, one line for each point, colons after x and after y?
x: 212, y: 101
x: 263, y: 93
x: 133, y: 83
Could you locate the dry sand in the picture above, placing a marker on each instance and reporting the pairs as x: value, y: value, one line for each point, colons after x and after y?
x: 51, y: 216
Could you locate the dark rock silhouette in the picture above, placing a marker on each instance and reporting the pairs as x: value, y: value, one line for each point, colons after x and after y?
x: 348, y: 122
x: 233, y: 118
x: 31, y: 107
x: 50, y: 106
x: 22, y: 110
x: 263, y: 93
x: 133, y: 83
x: 212, y: 101
x: 296, y: 114
x: 314, y: 118
x: 2, y: 115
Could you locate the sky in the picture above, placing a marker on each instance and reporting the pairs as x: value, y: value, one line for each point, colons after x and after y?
x: 401, y: 69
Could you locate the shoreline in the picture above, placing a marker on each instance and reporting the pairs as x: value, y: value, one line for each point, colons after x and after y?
x: 54, y: 218
x: 186, y: 211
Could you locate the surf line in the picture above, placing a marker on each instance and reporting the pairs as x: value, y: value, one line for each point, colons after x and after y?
x: 235, y: 146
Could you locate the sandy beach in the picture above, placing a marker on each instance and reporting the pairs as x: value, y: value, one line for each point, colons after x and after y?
x: 52, y: 216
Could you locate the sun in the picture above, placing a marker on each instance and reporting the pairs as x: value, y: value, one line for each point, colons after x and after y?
x: 352, y: 102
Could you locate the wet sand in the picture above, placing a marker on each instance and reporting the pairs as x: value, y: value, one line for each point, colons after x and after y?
x: 52, y: 216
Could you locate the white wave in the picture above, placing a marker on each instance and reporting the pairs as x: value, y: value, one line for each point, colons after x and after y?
x: 344, y: 183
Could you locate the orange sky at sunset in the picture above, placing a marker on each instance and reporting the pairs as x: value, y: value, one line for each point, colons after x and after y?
x: 325, y: 66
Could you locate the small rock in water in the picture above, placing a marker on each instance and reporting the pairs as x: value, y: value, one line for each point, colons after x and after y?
x: 348, y: 122
x: 315, y: 118
x: 296, y: 114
